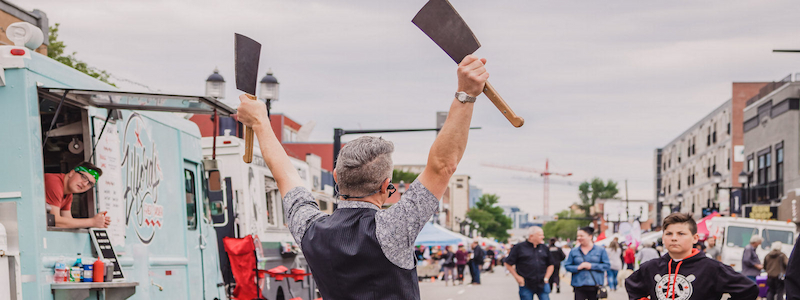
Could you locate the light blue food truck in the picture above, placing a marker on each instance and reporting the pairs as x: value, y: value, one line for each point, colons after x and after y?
x: 153, y: 187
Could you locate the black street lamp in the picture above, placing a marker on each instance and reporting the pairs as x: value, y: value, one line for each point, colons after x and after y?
x: 744, y: 185
x: 268, y: 90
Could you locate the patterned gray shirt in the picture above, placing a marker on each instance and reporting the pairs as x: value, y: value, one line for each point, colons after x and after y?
x: 396, y: 227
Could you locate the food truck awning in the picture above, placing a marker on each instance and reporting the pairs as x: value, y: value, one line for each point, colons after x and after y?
x: 138, y: 101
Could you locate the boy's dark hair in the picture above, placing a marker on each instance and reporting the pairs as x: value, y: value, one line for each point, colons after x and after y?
x: 677, y: 218
x: 588, y: 230
x: 91, y: 166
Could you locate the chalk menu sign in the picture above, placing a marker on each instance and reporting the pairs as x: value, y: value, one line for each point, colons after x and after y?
x: 102, y: 244
x: 109, y: 187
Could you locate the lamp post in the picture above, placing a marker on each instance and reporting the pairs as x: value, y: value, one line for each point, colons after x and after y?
x: 215, y: 85
x: 679, y: 199
x: 660, y: 206
x: 268, y: 90
x: 215, y: 88
x: 744, y: 185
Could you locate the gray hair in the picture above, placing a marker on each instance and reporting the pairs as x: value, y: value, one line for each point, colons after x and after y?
x: 756, y: 239
x: 777, y: 245
x: 534, y: 229
x: 363, y: 164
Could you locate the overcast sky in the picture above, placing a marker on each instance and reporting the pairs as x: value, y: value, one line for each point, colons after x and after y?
x: 601, y: 84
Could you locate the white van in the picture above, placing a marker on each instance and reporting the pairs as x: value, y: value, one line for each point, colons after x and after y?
x: 734, y: 234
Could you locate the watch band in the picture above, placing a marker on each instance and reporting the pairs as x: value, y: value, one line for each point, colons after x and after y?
x: 464, y: 98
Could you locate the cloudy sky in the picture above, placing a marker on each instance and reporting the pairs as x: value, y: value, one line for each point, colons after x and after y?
x: 601, y: 84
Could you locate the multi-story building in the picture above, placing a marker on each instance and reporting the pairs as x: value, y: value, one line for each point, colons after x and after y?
x: 519, y: 218
x: 685, y: 166
x: 771, y: 147
x: 475, y: 194
x: 455, y: 202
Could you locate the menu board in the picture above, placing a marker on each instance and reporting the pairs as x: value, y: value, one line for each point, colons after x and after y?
x: 109, y: 186
x: 102, y: 244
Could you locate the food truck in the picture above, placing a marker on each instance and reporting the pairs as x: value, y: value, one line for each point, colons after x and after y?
x: 733, y: 235
x: 249, y: 204
x: 153, y: 185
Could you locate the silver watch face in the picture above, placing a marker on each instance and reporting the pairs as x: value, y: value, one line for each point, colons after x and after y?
x: 463, y: 97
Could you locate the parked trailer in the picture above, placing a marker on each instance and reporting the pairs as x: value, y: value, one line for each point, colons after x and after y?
x: 152, y: 184
x: 249, y: 204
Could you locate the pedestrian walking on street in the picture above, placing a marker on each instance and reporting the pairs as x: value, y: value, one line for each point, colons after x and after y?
x: 751, y: 265
x: 478, y: 255
x: 615, y: 263
x: 361, y: 251
x: 775, y: 263
x: 558, y: 256
x: 587, y: 263
x: 685, y: 273
x: 712, y: 251
x: 461, y: 262
x: 630, y: 257
x: 531, y: 264
x: 449, y: 264
x: 490, y: 254
x: 647, y: 253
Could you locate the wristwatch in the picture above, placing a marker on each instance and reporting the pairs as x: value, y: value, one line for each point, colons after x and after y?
x: 464, y: 98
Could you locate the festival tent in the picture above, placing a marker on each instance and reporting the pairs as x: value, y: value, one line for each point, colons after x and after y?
x: 705, y: 224
x: 436, y: 235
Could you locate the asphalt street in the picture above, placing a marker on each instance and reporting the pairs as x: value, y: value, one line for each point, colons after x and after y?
x: 495, y: 286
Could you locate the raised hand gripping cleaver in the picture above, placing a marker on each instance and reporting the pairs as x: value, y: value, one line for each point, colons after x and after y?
x: 247, y: 55
x: 442, y: 23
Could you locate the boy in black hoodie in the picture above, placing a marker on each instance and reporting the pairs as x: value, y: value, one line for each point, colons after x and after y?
x: 685, y: 273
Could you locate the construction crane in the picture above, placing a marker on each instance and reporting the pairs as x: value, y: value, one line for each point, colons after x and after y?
x: 545, y: 175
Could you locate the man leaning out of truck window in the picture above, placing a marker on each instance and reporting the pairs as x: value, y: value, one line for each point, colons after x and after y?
x: 58, y: 195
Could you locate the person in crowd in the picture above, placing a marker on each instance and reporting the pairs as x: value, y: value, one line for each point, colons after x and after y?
x: 58, y: 189
x: 449, y: 265
x: 751, y: 264
x: 588, y: 263
x: 685, y: 273
x: 359, y: 242
x: 558, y: 256
x: 461, y: 262
x: 531, y: 265
x: 630, y: 257
x: 647, y: 253
x: 478, y: 255
x: 419, y: 253
x: 792, y: 278
x: 775, y: 263
x: 615, y: 263
x: 712, y: 251
x: 490, y: 253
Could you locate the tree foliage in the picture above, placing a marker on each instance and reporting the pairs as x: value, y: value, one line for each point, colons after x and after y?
x: 490, y: 218
x: 407, y: 177
x: 56, y: 51
x: 564, y: 227
x: 589, y: 192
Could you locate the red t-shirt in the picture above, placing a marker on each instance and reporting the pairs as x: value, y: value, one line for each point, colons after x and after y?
x: 54, y: 192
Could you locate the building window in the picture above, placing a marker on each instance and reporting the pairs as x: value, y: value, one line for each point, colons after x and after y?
x: 750, y: 169
x: 679, y: 185
x: 763, y: 167
x: 729, y: 128
x: 779, y: 164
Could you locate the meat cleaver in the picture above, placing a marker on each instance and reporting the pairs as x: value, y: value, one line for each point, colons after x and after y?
x: 442, y: 23
x: 247, y: 56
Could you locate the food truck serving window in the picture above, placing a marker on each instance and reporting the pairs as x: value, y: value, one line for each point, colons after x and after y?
x: 140, y: 101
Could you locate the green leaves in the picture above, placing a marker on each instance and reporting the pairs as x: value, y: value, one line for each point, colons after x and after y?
x: 589, y: 192
x: 56, y: 52
x: 564, y: 227
x: 490, y: 218
x: 407, y: 177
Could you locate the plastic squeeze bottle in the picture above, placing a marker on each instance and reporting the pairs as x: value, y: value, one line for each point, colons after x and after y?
x: 98, y: 270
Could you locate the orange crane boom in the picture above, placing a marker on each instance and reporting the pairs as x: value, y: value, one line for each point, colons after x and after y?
x: 545, y: 174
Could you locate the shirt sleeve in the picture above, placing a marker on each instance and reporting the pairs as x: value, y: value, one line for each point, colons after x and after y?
x: 735, y: 284
x: 398, y: 226
x: 301, y: 211
x: 511, y: 259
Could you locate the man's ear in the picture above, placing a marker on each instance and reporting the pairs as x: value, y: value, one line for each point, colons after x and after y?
x: 334, y: 177
x: 385, y: 185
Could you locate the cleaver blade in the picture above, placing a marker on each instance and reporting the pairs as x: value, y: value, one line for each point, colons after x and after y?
x: 440, y: 21
x: 247, y: 55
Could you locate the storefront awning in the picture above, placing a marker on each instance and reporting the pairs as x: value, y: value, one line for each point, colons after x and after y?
x: 138, y: 101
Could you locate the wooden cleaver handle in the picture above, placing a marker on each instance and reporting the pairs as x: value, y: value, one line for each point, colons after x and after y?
x: 248, y: 140
x: 501, y: 104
